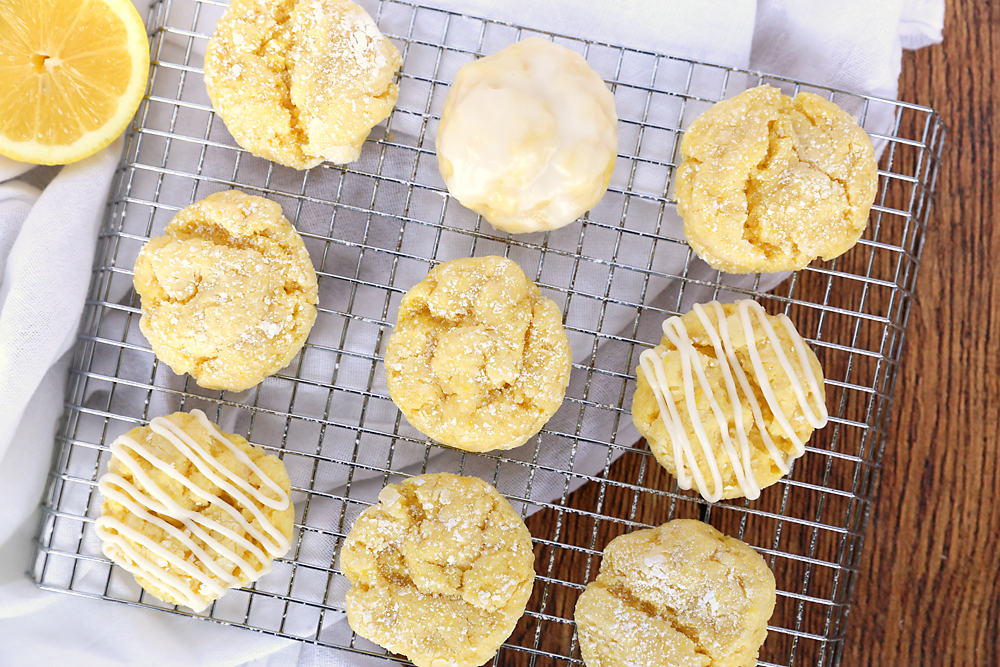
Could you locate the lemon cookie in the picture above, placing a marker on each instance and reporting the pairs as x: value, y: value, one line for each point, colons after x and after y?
x: 769, y: 183
x: 440, y: 570
x: 300, y: 81
x: 528, y: 136
x: 191, y: 511
x: 728, y: 398
x: 228, y: 293
x: 478, y: 359
x: 682, y: 594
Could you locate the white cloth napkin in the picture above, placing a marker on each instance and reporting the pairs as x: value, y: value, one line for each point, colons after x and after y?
x: 47, y: 241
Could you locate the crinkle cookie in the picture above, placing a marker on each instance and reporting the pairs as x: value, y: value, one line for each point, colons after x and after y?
x: 728, y: 398
x: 300, y: 81
x: 191, y: 511
x: 478, y: 359
x: 769, y: 183
x: 682, y: 594
x: 528, y: 136
x: 440, y: 570
x: 228, y: 293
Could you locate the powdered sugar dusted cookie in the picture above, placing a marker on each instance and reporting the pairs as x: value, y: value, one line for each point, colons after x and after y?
x: 191, y: 511
x: 682, y: 594
x: 300, y: 81
x: 441, y: 569
x: 478, y: 359
x: 769, y: 183
x: 228, y: 293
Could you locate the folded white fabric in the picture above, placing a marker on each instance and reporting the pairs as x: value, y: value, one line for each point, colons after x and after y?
x: 845, y: 44
x: 47, y: 242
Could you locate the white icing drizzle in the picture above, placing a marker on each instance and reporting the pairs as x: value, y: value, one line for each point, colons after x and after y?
x: 117, y: 537
x: 737, y: 389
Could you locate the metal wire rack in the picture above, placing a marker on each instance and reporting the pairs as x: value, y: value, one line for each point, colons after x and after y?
x: 376, y: 226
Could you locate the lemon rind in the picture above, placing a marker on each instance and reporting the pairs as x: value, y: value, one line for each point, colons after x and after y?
x: 137, y: 45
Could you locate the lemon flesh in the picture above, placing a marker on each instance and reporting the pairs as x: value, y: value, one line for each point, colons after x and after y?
x: 73, y: 73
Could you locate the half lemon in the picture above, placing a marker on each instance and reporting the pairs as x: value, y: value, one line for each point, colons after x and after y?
x: 73, y: 74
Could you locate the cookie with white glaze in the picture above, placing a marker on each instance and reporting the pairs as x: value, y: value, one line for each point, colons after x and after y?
x: 528, y: 136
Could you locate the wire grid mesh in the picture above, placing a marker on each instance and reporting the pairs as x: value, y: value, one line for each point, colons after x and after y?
x: 376, y: 226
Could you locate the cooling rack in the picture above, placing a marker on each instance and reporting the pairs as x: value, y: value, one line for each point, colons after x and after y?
x: 375, y: 227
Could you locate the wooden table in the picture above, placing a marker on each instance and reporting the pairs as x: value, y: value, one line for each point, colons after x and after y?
x: 928, y: 588
x: 928, y: 591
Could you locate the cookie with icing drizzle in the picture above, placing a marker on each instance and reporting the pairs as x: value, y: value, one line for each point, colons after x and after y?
x: 191, y: 511
x: 728, y: 398
x: 300, y: 81
x: 682, y: 594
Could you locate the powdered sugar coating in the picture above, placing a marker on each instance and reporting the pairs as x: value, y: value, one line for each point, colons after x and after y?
x: 228, y: 293
x: 441, y: 570
x: 769, y: 183
x: 682, y: 594
x: 300, y: 81
x: 478, y: 359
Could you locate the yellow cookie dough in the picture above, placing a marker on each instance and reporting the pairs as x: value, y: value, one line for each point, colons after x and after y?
x: 683, y: 595
x: 478, y: 359
x: 191, y: 511
x: 728, y: 398
x: 769, y: 183
x: 300, y: 81
x: 440, y: 570
x: 528, y: 136
x: 228, y: 293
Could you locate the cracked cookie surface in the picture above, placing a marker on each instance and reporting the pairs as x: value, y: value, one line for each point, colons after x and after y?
x: 682, y: 594
x: 769, y: 183
x: 441, y: 570
x: 228, y: 293
x: 300, y: 81
x: 191, y: 511
x: 478, y: 358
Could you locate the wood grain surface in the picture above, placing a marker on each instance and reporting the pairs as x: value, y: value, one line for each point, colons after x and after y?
x: 928, y: 588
